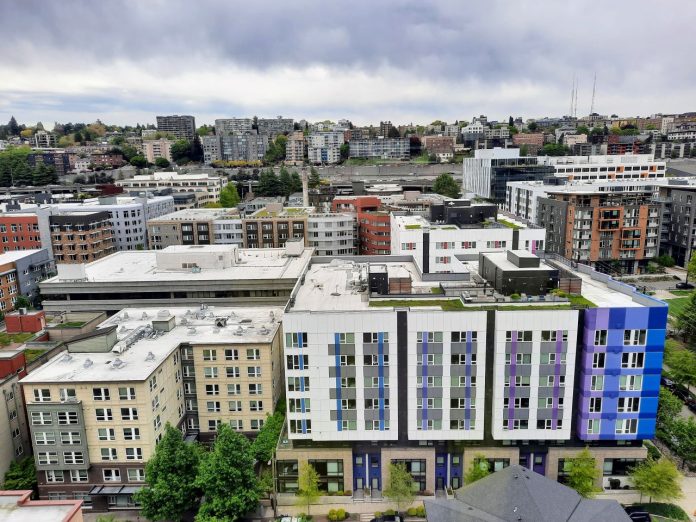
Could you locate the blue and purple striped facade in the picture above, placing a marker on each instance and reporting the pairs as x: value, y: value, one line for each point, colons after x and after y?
x: 615, y: 321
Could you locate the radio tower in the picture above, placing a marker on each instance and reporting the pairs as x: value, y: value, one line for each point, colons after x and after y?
x: 575, y: 109
x: 572, y: 97
x: 594, y: 87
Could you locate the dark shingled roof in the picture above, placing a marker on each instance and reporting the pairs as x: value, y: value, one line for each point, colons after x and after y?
x: 516, y: 494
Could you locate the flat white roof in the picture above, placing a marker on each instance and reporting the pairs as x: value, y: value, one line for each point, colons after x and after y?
x: 245, y: 325
x: 197, y: 214
x: 10, y: 511
x: 14, y: 255
x: 141, y: 266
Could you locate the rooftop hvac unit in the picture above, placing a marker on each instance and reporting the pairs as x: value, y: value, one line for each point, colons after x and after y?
x: 221, y: 322
x: 88, y: 362
x: 150, y: 356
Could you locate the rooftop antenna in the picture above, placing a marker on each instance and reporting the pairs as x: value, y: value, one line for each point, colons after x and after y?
x: 572, y: 96
x: 594, y: 88
x: 575, y: 108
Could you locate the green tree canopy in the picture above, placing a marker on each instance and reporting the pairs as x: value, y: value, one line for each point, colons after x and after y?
x: 345, y: 151
x: 532, y: 126
x: 582, y: 473
x: 265, y: 442
x: 668, y: 408
x: 269, y: 184
x: 138, y: 161
x: 658, y: 479
x: 229, y: 197
x: 276, y: 149
x: 227, y: 478
x: 170, y: 475
x: 582, y: 129
x: 682, y: 363
x: 181, y: 152
x: 162, y: 163
x: 478, y: 469
x: 393, y: 132
x: 399, y: 488
x: 683, y: 432
x: 446, y: 185
x: 313, y: 181
x: 21, y: 475
x: 307, y: 486
x: 554, y: 149
x: 44, y: 175
x: 285, y: 180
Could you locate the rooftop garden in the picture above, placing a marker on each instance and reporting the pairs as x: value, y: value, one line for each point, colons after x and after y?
x: 509, y: 224
x: 447, y: 305
x: 18, y: 338
x: 576, y: 300
x: 70, y: 324
x: 453, y: 305
x: 32, y: 354
x: 412, y: 227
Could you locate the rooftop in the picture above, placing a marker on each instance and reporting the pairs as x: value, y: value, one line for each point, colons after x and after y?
x: 416, y: 222
x: 163, y: 176
x: 198, y: 214
x: 12, y: 256
x: 140, y: 350
x: 141, y: 266
x: 17, y: 506
x: 282, y: 212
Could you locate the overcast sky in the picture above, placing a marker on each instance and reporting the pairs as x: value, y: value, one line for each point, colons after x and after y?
x: 402, y: 60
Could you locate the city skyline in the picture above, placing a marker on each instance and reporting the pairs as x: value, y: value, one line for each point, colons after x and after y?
x: 404, y: 61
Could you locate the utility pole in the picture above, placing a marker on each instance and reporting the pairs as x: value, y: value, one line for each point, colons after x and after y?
x: 594, y: 88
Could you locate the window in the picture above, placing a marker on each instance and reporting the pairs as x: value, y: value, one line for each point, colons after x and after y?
x: 347, y: 360
x: 515, y: 424
x: 126, y: 394
x: 628, y: 404
x: 519, y: 402
x: 44, y: 438
x: 54, y: 476
x: 131, y: 433
x: 600, y: 338
x: 429, y: 403
x: 626, y: 426
x: 78, y: 475
x: 460, y: 337
x: 593, y: 426
x: 595, y: 405
x: 632, y: 360
x: 213, y: 406
x: 552, y: 335
x: 256, y: 405
x: 429, y: 359
x: 103, y: 414
x: 236, y: 424
x: 346, y: 338
x: 231, y: 355
x: 210, y: 373
x: 109, y: 454
x: 598, y: 360
x: 296, y: 340
x: 101, y: 394
x: 153, y: 383
x: 256, y: 424
x: 73, y: 457
x: 47, y: 457
x: 373, y: 337
x: 129, y: 414
x: 234, y: 405
x: 210, y: 355
x: 373, y: 360
x: 430, y: 337
x: 157, y: 423
x: 42, y: 395
x: 408, y: 246
x: 521, y: 336
x: 40, y: 418
x: 234, y: 389
x: 551, y: 358
x: 634, y: 337
x: 298, y: 384
x: 597, y: 382
x: 630, y: 382
x: 106, y: 434
x: 253, y: 354
x: 428, y: 382
x: 255, y: 389
x: 232, y: 372
x: 111, y: 475
x: 70, y: 437
x: 136, y: 475
x: 212, y: 389
x: 520, y: 358
x: 134, y: 453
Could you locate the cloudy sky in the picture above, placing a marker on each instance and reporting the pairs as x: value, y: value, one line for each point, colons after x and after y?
x: 407, y: 61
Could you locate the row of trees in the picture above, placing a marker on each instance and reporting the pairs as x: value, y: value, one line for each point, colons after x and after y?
x: 285, y: 183
x: 16, y: 170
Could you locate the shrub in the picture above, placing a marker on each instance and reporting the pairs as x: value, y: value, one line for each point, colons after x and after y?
x: 348, y: 493
x: 666, y: 510
x: 390, y: 512
x: 378, y: 514
x: 420, y: 511
x: 653, y: 452
x: 515, y: 297
x: 411, y: 512
x: 337, y: 515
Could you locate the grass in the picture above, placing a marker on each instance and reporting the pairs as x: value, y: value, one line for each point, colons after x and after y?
x: 31, y: 354
x: 509, y: 224
x: 412, y: 227
x: 6, y: 338
x: 677, y: 304
x: 681, y: 293
x: 668, y: 511
x: 436, y: 290
x: 451, y: 305
x: 578, y: 300
x: 71, y: 324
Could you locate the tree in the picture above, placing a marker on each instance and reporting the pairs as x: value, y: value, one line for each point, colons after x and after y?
x: 665, y: 260
x: 668, y: 408
x: 582, y: 129
x: 127, y: 151
x: 511, y: 122
x: 532, y: 126
x: 26, y: 133
x: 22, y: 302
x: 345, y: 151
x: 276, y: 149
x: 269, y: 185
x: 265, y: 442
x: 21, y: 475
x: 44, y: 175
x: 308, y: 485
x: 296, y: 182
x: 582, y: 473
x: 314, y: 180
x: 446, y: 185
x: 12, y: 127
x: 478, y: 469
x: 181, y: 152
x: 393, y: 132
x: 229, y: 197
x: 524, y: 150
x: 227, y: 478
x: 691, y: 267
x: 683, y: 439
x: 554, y: 149
x: 138, y: 161
x: 399, y: 485
x: 162, y: 163
x: 170, y: 475
x: 682, y: 363
x: 285, y: 181
x: 658, y: 479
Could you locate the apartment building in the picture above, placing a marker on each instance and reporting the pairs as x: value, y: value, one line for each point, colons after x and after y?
x: 295, y: 148
x: 248, y: 146
x: 98, y: 410
x: 182, y: 127
x: 373, y: 231
x: 275, y: 126
x: 607, y: 167
x: 678, y: 238
x: 153, y: 149
x: 433, y: 389
x: 18, y: 505
x: 441, y: 248
x: 272, y: 226
x: 384, y: 148
x: 609, y: 230
x: 21, y: 273
x: 200, y: 226
x: 211, y: 149
x: 440, y: 146
x: 44, y: 140
x: 25, y: 231
x: 384, y: 128
x: 81, y: 237
x: 324, y: 147
x: 184, y: 275
x: 62, y: 162
x: 205, y: 185
x: 225, y: 126
x: 14, y: 432
x: 331, y: 234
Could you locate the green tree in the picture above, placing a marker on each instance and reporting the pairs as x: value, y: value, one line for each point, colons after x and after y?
x: 12, y: 127
x: 21, y: 475
x: 524, y: 150
x: 399, y: 488
x: 181, y: 152
x: 668, y: 408
x: 170, y: 475
x: 229, y: 197
x: 205, y: 130
x: 128, y: 152
x: 513, y: 130
x: 393, y: 132
x: 269, y: 184
x: 446, y: 185
x: 665, y: 260
x: 265, y: 442
x: 682, y: 363
x: 532, y: 126
x: 478, y: 469
x: 683, y: 439
x: 658, y: 479
x: 213, y: 204
x: 554, y: 149
x: 22, y: 302
x: 276, y: 149
x: 227, y: 479
x: 44, y: 175
x: 345, y: 151
x: 511, y: 122
x: 582, y: 129
x: 296, y: 182
x: 162, y: 163
x: 138, y: 161
x: 582, y: 473
x: 285, y: 181
x: 308, y: 486
x: 313, y: 181
x: 14, y: 167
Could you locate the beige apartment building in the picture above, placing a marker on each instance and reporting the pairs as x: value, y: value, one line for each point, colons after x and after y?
x: 97, y: 411
x: 153, y: 149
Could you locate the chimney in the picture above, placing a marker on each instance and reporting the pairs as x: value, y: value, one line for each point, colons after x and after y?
x: 305, y: 189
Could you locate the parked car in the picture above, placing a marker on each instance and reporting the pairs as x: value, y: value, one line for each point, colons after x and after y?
x: 638, y: 514
x: 683, y: 285
x: 667, y: 383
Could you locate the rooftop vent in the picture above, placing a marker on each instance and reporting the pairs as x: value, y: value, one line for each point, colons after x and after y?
x: 150, y: 356
x: 184, y: 321
x: 191, y: 331
x: 88, y: 362
x: 272, y: 314
x: 163, y: 313
x: 126, y: 316
x: 239, y: 331
x: 118, y: 363
x: 264, y: 330
x: 220, y: 322
x: 144, y: 316
x: 66, y: 358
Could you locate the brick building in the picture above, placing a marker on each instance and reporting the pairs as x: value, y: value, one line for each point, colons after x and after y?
x: 81, y: 237
x: 373, y: 225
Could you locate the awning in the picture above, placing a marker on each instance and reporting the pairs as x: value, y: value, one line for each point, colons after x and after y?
x: 114, y: 490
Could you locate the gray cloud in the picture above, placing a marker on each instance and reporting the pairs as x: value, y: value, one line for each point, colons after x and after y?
x: 494, y: 56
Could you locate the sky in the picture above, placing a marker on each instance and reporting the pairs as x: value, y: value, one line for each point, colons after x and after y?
x: 126, y: 61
